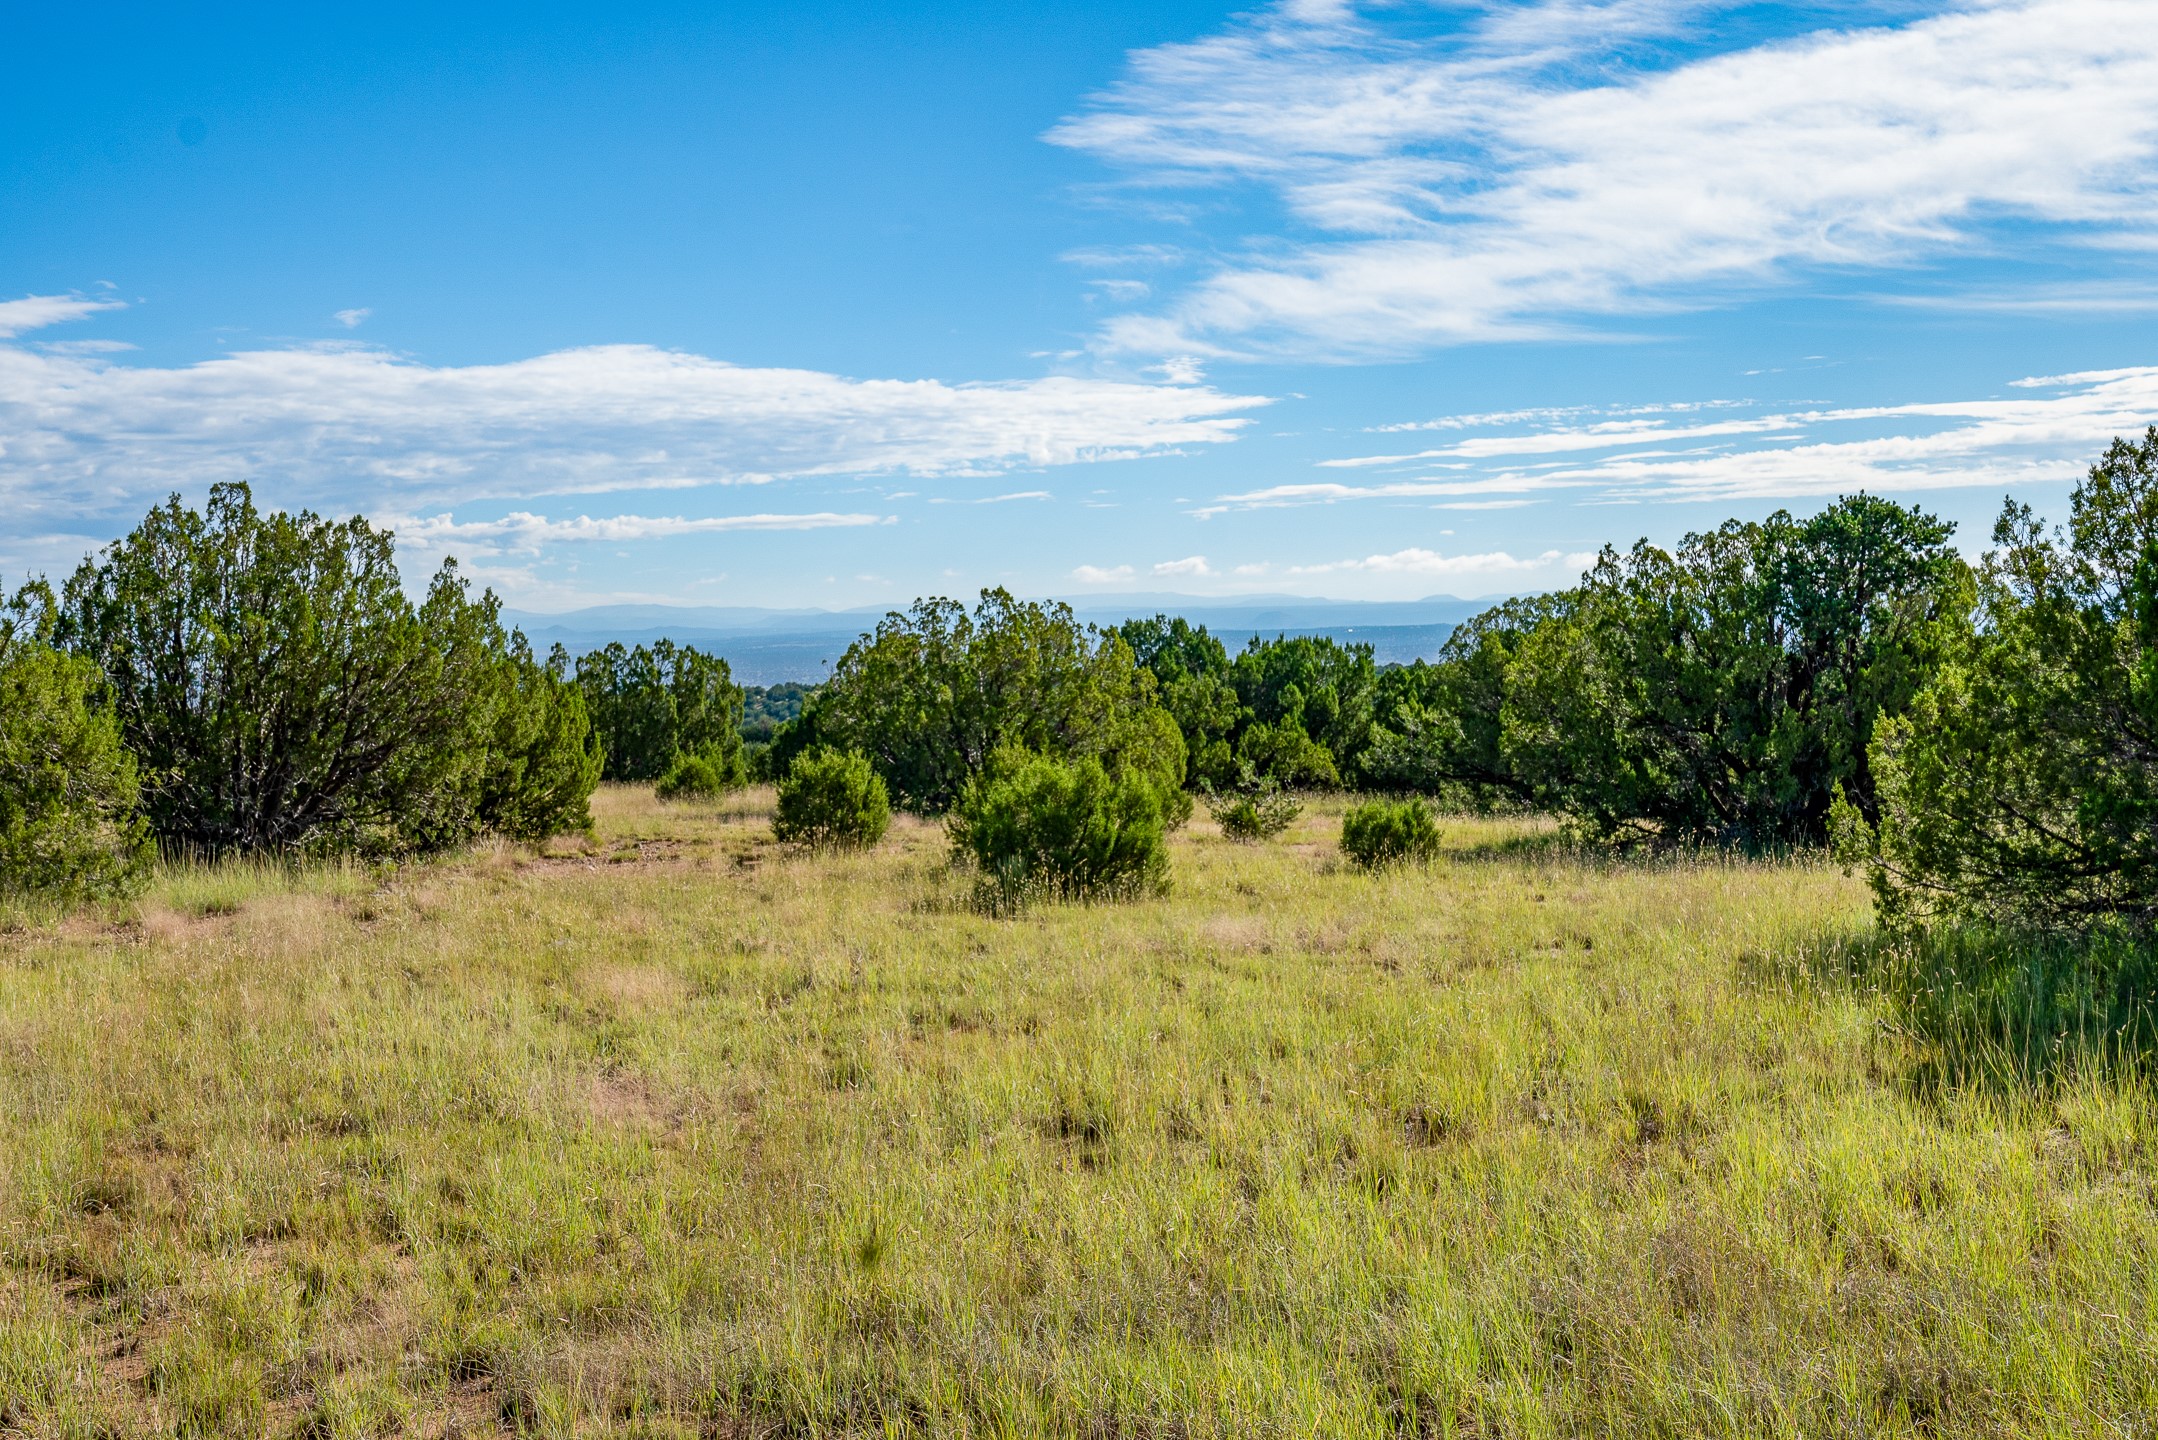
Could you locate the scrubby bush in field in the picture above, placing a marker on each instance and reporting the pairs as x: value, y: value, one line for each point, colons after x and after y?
x: 1258, y: 809
x: 932, y: 694
x: 691, y: 777
x: 832, y: 798
x: 2022, y: 788
x: 280, y: 692
x: 68, y: 824
x: 1042, y: 828
x: 653, y: 705
x: 1389, y: 832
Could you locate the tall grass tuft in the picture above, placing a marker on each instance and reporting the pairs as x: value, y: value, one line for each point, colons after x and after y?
x: 2012, y: 1008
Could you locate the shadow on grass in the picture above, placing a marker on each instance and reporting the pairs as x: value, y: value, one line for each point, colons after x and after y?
x: 1998, y: 1007
x: 1534, y: 846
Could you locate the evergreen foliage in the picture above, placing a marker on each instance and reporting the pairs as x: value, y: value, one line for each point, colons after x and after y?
x: 1719, y: 693
x: 1442, y: 725
x: 543, y: 758
x: 691, y: 777
x: 2021, y: 789
x: 68, y: 823
x: 933, y: 693
x: 1037, y: 827
x: 1258, y: 809
x: 767, y: 707
x: 280, y: 693
x: 1297, y: 709
x: 1379, y: 833
x: 832, y: 799
x: 654, y: 704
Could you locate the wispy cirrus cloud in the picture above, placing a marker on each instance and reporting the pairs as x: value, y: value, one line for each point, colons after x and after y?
x: 2044, y: 430
x: 1492, y: 565
x: 522, y: 530
x: 1538, y: 168
x: 1326, y: 492
x: 35, y: 312
x: 349, y: 426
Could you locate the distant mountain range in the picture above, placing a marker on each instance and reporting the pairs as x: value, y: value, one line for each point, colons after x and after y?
x: 766, y: 646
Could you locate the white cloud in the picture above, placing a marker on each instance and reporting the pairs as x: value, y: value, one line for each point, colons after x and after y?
x: 351, y: 319
x: 1191, y: 565
x: 522, y: 530
x: 1325, y: 492
x: 1097, y: 575
x: 84, y: 347
x: 35, y: 312
x: 1417, y: 561
x: 2048, y: 429
x: 1112, y: 257
x: 1122, y: 292
x: 1604, y: 435
x: 1531, y: 171
x: 348, y: 426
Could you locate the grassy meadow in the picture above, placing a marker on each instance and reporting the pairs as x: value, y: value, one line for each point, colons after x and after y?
x: 675, y: 1132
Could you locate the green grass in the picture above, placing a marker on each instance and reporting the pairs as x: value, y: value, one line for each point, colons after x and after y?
x: 685, y: 1133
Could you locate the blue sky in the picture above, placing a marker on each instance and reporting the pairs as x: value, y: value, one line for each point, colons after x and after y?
x: 835, y: 304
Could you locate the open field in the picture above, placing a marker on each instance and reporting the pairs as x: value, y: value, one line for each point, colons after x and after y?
x: 684, y: 1134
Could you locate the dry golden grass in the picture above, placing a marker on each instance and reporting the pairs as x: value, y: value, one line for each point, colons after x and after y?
x: 677, y: 1133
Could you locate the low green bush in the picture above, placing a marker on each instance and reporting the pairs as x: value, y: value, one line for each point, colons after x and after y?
x: 1389, y: 832
x: 1257, y: 810
x: 691, y: 777
x: 68, y: 824
x: 832, y: 799
x: 1039, y: 828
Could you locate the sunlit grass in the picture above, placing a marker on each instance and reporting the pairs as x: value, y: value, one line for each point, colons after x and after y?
x: 676, y: 1131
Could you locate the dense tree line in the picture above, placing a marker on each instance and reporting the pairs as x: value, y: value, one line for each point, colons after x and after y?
x: 933, y: 693
x: 1987, y: 739
x: 1296, y: 709
x: 1722, y: 692
x: 654, y: 706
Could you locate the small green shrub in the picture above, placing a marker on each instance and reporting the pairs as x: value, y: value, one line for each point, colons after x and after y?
x: 1257, y: 810
x: 68, y: 824
x: 832, y: 799
x: 1065, y: 830
x: 691, y: 777
x: 1388, y: 832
